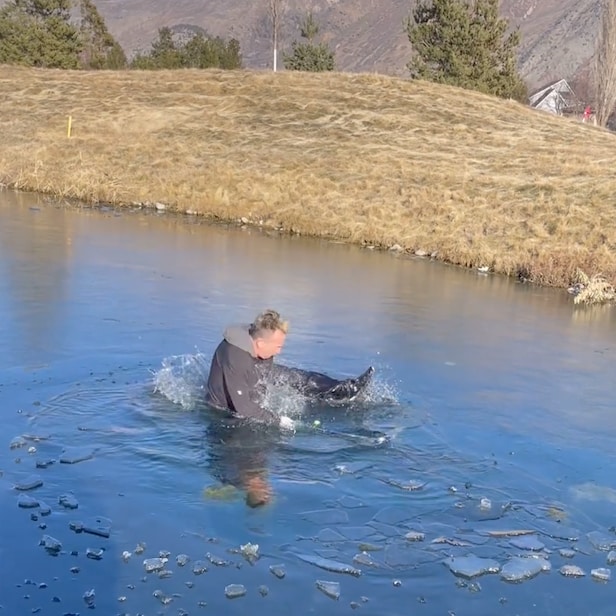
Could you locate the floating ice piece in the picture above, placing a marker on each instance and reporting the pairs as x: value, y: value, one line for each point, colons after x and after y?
x: 17, y: 442
x: 199, y: 567
x: 572, y: 571
x: 611, y: 558
x: 363, y: 558
x: 101, y: 527
x: 89, y: 597
x: 330, y: 589
x: 233, y: 591
x: 601, y: 541
x: 154, y: 564
x: 27, y: 502
x: 44, y: 463
x: 350, y: 502
x: 126, y: 556
x: 414, y: 535
x: 566, y: 552
x: 326, y: 516
x: 250, y: 551
x: 527, y: 542
x: 182, y: 560
x: 457, y: 543
x: 510, y: 533
x: 328, y: 535
x: 471, y: 566
x: 601, y: 573
x: 485, y: 503
x: 53, y: 546
x: 68, y: 501
x: 412, y: 485
x: 278, y: 570
x: 217, y: 561
x: 330, y: 565
x: 158, y: 594
x: 44, y: 509
x: 29, y: 483
x: 140, y: 548
x: 521, y: 568
x: 74, y: 455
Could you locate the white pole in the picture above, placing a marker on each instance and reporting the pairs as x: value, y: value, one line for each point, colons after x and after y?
x: 275, y: 59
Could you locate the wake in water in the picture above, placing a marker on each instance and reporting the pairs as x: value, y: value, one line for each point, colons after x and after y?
x: 182, y: 379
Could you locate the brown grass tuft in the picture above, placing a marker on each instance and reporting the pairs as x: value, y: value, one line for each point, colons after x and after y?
x: 362, y: 158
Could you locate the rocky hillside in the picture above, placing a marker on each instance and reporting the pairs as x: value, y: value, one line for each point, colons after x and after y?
x: 367, y: 35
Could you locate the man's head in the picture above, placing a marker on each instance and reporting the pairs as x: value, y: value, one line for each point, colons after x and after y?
x: 268, y: 333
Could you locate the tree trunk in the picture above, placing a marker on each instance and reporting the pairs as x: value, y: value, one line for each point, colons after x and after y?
x: 605, y: 64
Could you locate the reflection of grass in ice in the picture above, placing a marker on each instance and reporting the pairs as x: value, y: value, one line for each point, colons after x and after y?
x: 182, y: 379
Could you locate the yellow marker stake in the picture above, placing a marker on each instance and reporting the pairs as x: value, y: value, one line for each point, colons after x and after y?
x: 70, y: 123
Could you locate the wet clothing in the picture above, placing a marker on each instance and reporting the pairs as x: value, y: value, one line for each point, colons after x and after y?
x: 237, y: 377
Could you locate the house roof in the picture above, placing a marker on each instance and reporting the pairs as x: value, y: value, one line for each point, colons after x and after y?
x: 560, y: 87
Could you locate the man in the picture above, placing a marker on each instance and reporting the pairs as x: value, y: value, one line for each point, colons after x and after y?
x: 244, y: 360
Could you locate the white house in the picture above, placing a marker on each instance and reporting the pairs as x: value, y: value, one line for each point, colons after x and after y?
x: 557, y: 98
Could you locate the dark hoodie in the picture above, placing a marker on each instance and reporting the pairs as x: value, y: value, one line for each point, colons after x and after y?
x: 235, y: 374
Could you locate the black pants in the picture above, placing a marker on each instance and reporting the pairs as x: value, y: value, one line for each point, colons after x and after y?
x: 309, y: 383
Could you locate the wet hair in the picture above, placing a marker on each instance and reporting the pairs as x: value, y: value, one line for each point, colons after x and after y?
x: 267, y: 322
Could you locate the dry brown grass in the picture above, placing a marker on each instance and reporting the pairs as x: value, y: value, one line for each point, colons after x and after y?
x: 363, y: 158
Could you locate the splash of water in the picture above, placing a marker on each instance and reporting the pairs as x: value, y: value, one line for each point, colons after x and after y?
x: 182, y: 379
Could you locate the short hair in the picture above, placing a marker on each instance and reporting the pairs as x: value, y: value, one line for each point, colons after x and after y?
x: 267, y: 322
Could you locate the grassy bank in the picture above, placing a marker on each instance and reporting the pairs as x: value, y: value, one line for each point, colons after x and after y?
x: 364, y: 158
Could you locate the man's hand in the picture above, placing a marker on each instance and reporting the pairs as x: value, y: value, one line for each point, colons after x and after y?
x: 286, y: 423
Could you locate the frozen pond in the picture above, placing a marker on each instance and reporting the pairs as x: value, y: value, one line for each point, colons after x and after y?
x: 493, y: 492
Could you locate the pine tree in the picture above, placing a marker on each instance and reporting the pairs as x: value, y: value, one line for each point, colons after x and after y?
x: 199, y: 51
x: 100, y: 49
x: 465, y: 43
x: 39, y: 33
x: 163, y: 54
x: 309, y: 56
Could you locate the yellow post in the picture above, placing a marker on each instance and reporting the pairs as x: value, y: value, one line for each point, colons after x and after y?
x: 70, y: 123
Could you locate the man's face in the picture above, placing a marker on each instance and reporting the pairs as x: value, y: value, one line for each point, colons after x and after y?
x: 270, y: 344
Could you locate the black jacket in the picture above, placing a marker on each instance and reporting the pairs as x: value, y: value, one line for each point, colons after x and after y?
x: 235, y: 376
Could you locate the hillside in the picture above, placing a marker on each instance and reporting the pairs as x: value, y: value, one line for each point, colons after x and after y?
x: 558, y: 35
x: 361, y: 158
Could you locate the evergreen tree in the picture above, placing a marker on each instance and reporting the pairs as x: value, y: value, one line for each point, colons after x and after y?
x: 199, y: 51
x: 39, y: 33
x: 100, y: 49
x: 309, y: 56
x: 465, y: 43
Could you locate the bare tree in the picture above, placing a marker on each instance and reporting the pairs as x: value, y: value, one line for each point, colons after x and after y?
x: 605, y: 63
x: 276, y: 10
